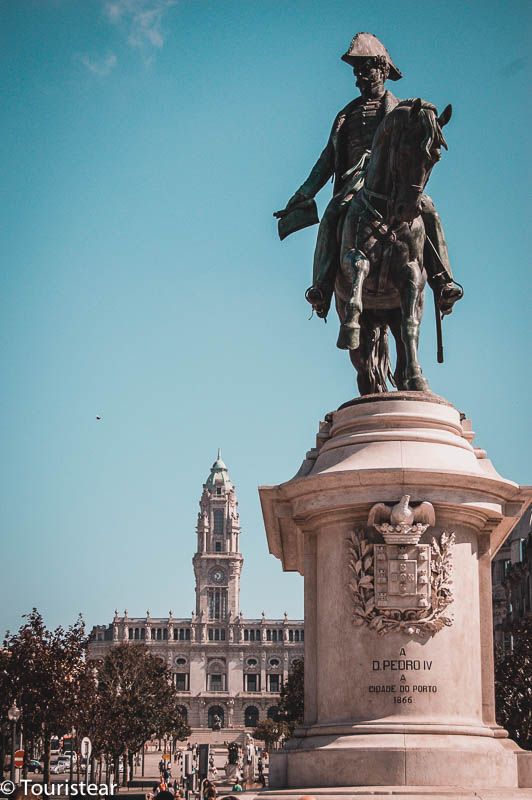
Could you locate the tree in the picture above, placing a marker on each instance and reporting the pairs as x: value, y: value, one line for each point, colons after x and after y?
x: 176, y: 725
x: 136, y: 699
x: 7, y: 695
x: 513, y: 686
x: 270, y: 731
x: 44, y: 668
x: 291, y: 706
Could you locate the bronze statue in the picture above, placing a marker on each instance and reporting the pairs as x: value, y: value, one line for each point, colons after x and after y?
x: 372, y: 247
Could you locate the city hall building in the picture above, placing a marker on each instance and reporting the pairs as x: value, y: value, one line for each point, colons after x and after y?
x: 223, y: 665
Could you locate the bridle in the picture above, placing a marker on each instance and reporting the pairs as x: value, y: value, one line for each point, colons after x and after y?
x: 390, y: 198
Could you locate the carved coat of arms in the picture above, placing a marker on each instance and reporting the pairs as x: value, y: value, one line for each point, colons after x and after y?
x: 401, y: 585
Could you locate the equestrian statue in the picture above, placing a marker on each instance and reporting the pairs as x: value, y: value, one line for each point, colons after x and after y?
x: 380, y: 239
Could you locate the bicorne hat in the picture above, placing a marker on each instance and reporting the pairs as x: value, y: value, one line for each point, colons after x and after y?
x: 366, y: 45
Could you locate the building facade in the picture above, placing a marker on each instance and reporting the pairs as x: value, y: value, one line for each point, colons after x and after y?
x: 512, y: 583
x: 223, y: 665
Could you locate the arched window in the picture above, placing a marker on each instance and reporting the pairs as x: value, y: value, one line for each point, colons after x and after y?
x: 215, y: 711
x: 273, y: 713
x: 251, y: 717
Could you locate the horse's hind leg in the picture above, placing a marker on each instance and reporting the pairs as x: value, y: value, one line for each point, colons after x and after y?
x: 360, y: 359
x: 356, y: 266
x: 394, y: 322
x: 412, y: 310
x: 371, y: 359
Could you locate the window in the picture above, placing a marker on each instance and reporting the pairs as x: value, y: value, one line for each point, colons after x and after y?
x: 218, y: 546
x: 216, y: 634
x: 180, y: 662
x: 252, y: 682
x: 218, y: 490
x: 215, y: 711
x: 251, y: 717
x: 274, y: 683
x: 252, y: 662
x: 216, y: 683
x: 217, y: 602
x: 181, y: 680
x: 130, y: 633
x: 143, y: 633
x: 218, y: 521
x: 274, y: 635
x: 274, y: 662
x: 273, y: 713
x: 290, y: 635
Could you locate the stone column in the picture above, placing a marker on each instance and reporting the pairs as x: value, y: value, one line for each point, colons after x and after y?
x: 398, y: 687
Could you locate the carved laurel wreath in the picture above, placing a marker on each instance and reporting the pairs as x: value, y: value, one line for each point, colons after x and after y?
x: 418, y: 622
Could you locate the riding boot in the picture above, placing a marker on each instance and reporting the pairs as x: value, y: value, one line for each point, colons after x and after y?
x: 437, y: 264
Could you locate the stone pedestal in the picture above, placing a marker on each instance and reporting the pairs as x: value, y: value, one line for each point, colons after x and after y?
x: 411, y: 707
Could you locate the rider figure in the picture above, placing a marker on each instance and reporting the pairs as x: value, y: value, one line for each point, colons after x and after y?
x: 345, y: 156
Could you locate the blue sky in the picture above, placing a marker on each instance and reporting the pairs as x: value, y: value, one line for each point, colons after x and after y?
x: 146, y: 144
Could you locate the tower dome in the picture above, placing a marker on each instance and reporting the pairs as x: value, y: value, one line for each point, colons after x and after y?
x: 219, y: 475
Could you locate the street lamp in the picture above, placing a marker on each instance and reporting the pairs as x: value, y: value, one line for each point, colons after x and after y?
x: 13, y: 716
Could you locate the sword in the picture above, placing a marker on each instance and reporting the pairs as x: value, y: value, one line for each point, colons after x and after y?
x: 439, y: 335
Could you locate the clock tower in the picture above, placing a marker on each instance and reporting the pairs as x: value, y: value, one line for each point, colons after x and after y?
x: 218, y: 560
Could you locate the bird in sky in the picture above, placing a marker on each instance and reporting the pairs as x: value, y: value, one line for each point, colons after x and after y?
x: 97, y: 417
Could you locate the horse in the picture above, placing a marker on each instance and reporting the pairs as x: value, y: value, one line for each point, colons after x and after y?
x: 381, y: 278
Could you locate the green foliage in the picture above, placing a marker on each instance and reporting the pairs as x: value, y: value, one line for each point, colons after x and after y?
x: 44, y: 672
x: 119, y: 704
x: 136, y: 700
x: 513, y: 686
x: 291, y: 706
x: 269, y: 731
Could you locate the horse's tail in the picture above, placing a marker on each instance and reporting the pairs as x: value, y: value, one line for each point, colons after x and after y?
x: 379, y: 365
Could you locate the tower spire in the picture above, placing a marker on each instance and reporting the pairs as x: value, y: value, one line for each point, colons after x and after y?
x: 218, y: 561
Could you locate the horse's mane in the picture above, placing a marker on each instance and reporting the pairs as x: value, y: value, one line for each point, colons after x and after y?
x: 429, y: 118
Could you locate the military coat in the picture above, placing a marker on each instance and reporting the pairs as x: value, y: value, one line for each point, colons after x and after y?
x: 335, y: 158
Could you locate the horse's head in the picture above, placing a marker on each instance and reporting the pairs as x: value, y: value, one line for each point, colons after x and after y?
x: 415, y: 142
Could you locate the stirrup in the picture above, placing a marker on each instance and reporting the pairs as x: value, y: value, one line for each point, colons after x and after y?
x: 448, y: 294
x: 314, y: 295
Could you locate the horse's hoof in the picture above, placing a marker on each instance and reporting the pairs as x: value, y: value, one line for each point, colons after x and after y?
x: 417, y: 384
x: 348, y: 338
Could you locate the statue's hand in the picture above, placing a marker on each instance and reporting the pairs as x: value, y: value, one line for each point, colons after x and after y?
x: 296, y: 199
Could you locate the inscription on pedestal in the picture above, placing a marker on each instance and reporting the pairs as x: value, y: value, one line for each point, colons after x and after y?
x: 404, y: 690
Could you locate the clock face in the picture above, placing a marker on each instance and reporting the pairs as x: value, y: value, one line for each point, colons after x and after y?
x: 218, y: 575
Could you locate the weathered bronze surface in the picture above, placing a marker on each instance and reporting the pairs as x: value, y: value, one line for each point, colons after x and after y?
x: 380, y: 237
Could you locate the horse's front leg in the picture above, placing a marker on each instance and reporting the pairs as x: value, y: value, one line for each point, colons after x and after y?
x: 355, y: 266
x: 412, y: 310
